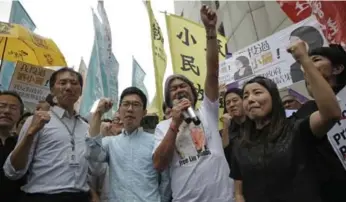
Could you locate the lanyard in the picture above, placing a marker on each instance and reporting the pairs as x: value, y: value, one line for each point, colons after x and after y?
x: 69, y: 131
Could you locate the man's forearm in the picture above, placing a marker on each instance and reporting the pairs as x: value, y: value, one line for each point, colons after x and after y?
x: 20, y: 155
x: 164, y: 152
x: 225, y: 137
x: 211, y: 81
x: 95, y: 124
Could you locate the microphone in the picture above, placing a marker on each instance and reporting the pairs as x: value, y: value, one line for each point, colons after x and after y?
x: 189, y: 114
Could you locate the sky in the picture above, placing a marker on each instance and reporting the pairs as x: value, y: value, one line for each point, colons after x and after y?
x: 69, y: 23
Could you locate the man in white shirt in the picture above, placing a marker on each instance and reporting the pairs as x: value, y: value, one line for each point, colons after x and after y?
x: 194, y: 153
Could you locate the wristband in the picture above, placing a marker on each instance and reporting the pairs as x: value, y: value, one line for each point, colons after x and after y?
x: 173, y: 127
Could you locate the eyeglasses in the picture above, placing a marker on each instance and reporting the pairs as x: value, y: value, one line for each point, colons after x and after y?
x: 135, y: 105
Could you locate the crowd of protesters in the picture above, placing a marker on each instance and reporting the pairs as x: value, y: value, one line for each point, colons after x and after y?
x: 261, y: 155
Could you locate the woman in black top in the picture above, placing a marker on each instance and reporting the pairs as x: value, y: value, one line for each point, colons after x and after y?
x: 271, y: 162
x: 331, y: 62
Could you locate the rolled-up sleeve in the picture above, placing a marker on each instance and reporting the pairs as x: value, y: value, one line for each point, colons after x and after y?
x: 159, y: 134
x: 165, y: 186
x: 98, y: 148
x: 9, y: 170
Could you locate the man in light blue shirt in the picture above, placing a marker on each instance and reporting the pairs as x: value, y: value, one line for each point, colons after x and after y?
x: 129, y: 155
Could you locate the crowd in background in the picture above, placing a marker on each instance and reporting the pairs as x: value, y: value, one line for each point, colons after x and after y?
x: 260, y: 155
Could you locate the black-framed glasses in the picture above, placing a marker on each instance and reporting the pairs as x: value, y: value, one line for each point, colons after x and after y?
x: 135, y: 105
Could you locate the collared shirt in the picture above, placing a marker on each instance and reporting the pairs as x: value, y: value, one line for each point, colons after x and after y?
x: 48, y: 166
x: 9, y: 189
x: 131, y: 170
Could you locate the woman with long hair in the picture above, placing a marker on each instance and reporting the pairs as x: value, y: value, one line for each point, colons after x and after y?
x: 272, y: 161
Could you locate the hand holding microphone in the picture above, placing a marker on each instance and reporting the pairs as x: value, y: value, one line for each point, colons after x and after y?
x: 179, y: 106
x: 189, y: 113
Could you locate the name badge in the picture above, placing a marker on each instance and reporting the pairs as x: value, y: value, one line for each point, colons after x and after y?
x: 73, y: 160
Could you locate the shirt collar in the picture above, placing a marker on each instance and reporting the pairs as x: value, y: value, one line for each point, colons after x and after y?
x: 62, y: 112
x: 135, y: 132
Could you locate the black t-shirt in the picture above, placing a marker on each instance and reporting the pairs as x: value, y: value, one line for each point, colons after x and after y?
x: 328, y: 167
x: 9, y: 189
x: 277, y: 171
x: 234, y: 134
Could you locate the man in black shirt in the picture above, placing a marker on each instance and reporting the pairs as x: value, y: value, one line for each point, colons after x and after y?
x: 11, y: 108
x: 232, y: 119
x: 331, y: 62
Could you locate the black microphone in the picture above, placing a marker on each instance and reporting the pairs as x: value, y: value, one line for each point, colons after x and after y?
x: 189, y: 114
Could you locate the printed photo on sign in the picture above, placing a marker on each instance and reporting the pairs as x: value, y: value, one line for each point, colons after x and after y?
x: 242, y: 63
x: 269, y: 58
x: 313, y: 39
x: 191, y: 143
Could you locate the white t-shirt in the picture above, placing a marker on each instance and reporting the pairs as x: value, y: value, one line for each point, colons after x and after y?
x: 199, y: 170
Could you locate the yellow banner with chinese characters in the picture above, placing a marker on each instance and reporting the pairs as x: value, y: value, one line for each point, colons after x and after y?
x: 187, y: 42
x: 159, y: 58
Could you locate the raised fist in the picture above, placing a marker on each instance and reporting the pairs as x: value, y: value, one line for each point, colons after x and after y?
x: 104, y: 105
x: 208, y: 17
x: 298, y: 50
x: 226, y: 119
x: 39, y: 119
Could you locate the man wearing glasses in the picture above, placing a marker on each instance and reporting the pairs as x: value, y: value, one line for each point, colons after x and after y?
x: 129, y: 154
x: 11, y: 108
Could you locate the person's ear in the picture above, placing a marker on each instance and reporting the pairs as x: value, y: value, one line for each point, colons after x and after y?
x: 338, y: 69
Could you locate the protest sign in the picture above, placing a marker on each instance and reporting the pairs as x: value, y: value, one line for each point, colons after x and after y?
x: 337, y: 135
x: 269, y: 58
x: 31, y: 82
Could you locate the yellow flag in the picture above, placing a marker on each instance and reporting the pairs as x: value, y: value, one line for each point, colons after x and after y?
x: 187, y: 42
x: 159, y: 58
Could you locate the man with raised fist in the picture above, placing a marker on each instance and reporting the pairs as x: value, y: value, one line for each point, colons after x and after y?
x: 129, y: 154
x: 193, y: 150
x: 51, y: 148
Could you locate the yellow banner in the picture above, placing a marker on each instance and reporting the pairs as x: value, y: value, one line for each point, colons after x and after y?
x: 187, y: 41
x: 159, y: 58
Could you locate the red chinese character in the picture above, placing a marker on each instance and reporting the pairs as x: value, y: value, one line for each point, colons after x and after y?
x: 301, y: 7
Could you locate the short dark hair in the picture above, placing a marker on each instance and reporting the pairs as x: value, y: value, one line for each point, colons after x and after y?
x: 336, y: 55
x: 16, y: 95
x: 52, y: 79
x: 25, y: 115
x: 236, y: 91
x: 134, y: 91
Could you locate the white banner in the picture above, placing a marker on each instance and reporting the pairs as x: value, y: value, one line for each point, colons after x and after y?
x: 31, y: 82
x: 337, y: 135
x: 269, y: 58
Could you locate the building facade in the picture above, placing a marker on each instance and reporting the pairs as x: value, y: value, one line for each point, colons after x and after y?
x: 241, y: 22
